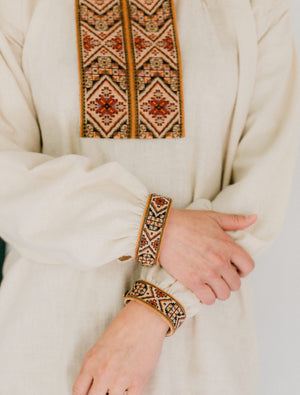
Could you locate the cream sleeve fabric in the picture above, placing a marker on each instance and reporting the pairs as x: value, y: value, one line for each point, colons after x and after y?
x: 61, y: 210
x: 263, y: 166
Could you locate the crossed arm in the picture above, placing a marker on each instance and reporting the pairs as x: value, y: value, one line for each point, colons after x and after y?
x: 262, y: 166
x: 206, y: 260
x: 198, y: 252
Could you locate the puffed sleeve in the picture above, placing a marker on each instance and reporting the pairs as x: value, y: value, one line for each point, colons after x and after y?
x: 56, y: 210
x: 264, y: 162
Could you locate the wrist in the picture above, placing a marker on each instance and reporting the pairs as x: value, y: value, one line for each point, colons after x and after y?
x: 148, y: 317
x: 159, y: 301
x: 169, y: 228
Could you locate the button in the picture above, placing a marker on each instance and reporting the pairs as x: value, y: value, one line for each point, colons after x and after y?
x: 124, y: 258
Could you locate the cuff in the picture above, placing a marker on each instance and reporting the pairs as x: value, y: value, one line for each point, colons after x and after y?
x: 163, y: 280
x: 152, y: 229
x: 162, y: 302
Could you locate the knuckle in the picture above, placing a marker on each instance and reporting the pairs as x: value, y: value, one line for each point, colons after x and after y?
x: 229, y: 245
x: 121, y: 378
x: 196, y: 281
x: 199, y: 295
x: 220, y: 261
x: 192, y: 273
x: 212, y: 275
x: 115, y: 388
x: 138, y: 383
x: 236, y: 218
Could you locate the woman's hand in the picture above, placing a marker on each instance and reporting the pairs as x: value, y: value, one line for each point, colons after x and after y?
x: 125, y: 355
x: 198, y: 252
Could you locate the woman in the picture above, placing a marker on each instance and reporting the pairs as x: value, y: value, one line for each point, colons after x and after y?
x: 135, y: 137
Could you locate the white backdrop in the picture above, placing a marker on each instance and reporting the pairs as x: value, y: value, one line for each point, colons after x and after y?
x: 276, y: 280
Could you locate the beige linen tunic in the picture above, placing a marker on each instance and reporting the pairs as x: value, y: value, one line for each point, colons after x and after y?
x: 71, y: 206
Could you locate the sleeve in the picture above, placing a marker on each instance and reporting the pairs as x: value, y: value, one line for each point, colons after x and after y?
x: 264, y: 162
x: 57, y: 210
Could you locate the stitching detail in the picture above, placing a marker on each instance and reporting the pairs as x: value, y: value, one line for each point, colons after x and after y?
x: 130, y: 69
x: 152, y: 229
x: 159, y: 300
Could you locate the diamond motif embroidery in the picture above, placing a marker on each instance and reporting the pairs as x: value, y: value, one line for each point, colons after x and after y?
x: 160, y: 301
x: 158, y: 108
x: 106, y: 106
x: 148, y: 4
x: 130, y: 69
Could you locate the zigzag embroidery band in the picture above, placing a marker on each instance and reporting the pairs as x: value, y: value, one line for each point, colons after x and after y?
x: 152, y: 229
x: 162, y: 302
x: 130, y: 69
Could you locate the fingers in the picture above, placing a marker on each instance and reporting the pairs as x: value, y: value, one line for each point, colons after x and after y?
x: 242, y: 260
x: 99, y: 389
x: 233, y: 221
x: 87, y: 386
x: 82, y: 384
x: 219, y: 287
x: 101, y: 380
x: 232, y: 278
x: 206, y: 294
x: 217, y: 280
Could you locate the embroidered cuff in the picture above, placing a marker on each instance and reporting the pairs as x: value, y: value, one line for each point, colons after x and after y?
x: 152, y: 229
x: 160, y: 301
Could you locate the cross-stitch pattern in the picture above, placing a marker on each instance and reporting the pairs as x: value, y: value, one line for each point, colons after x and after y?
x: 159, y: 300
x: 130, y: 69
x: 152, y: 229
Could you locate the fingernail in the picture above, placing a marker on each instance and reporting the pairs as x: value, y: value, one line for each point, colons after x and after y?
x: 251, y: 216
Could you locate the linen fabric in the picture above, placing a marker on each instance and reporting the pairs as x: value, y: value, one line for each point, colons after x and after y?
x: 71, y: 206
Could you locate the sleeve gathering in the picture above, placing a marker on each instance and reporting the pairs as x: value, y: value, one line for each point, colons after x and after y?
x: 66, y: 210
x: 262, y: 169
x: 57, y: 210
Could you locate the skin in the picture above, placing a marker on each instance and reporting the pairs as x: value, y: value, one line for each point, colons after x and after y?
x: 198, y: 252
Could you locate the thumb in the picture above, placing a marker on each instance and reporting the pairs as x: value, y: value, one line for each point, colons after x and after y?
x: 234, y: 221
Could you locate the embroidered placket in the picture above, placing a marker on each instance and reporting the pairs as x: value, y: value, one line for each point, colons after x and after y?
x: 130, y: 69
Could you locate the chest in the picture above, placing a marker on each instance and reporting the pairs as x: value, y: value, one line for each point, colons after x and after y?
x: 207, y: 42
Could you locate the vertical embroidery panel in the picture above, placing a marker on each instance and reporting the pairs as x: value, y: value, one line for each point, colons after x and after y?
x: 158, y: 69
x: 130, y: 69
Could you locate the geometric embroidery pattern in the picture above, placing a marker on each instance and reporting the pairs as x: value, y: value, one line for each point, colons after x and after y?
x: 152, y: 229
x: 130, y: 69
x: 159, y: 300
